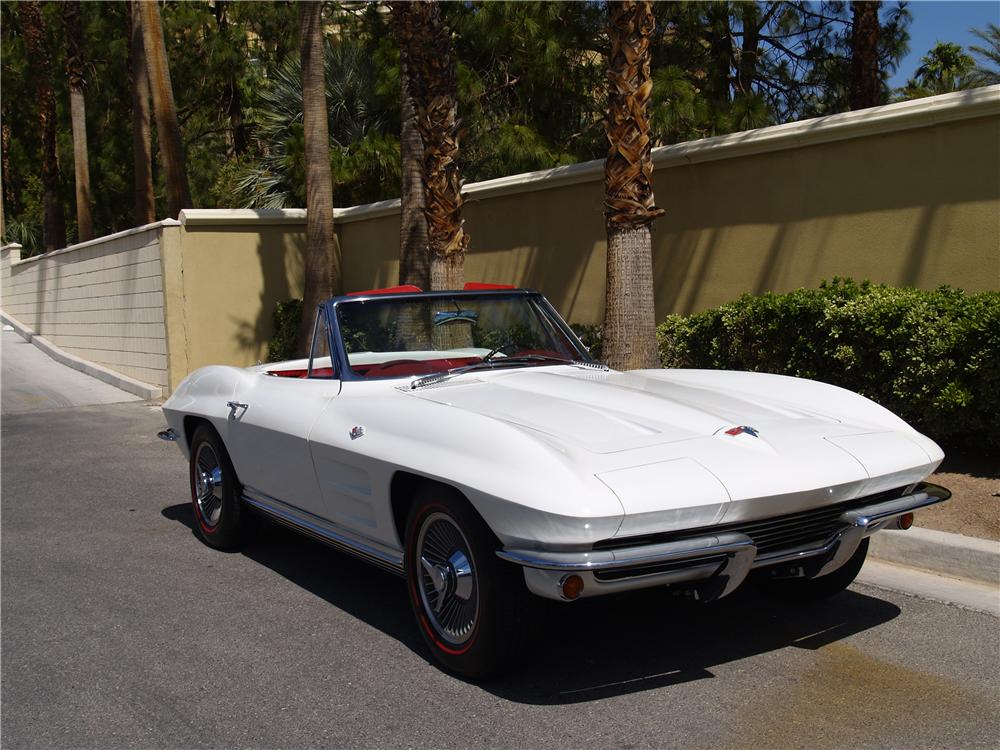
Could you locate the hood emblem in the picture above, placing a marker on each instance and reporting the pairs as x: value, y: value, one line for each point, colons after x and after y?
x: 752, y: 432
x: 356, y: 432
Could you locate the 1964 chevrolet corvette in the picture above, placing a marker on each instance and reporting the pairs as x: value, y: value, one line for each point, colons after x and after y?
x: 468, y: 441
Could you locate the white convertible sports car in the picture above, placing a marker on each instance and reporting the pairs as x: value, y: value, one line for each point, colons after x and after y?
x: 468, y: 441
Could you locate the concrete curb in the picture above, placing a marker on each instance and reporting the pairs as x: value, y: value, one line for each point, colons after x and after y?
x: 124, y: 382
x: 939, y: 552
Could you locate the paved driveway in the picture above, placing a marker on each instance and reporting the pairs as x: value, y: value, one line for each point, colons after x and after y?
x: 120, y: 629
x: 30, y: 380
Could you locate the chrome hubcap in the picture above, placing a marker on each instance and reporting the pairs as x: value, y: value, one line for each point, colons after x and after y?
x: 448, y: 587
x: 208, y: 485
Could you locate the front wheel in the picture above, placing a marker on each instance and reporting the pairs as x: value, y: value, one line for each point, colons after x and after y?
x: 465, y: 599
x: 220, y: 518
x: 813, y: 589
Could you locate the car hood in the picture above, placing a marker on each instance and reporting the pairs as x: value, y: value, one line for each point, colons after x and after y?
x: 608, y: 412
x: 667, y: 443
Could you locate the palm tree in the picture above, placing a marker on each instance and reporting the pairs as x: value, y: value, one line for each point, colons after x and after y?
x: 866, y: 82
x: 142, y: 144
x: 78, y: 116
x: 426, y: 52
x: 364, y: 155
x: 414, y: 258
x: 987, y: 71
x: 320, y: 252
x: 629, y: 209
x: 945, y: 68
x: 168, y: 130
x: 33, y: 27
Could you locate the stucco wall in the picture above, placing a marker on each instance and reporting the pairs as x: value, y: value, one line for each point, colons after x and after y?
x: 907, y: 194
x: 101, y: 300
x: 233, y: 276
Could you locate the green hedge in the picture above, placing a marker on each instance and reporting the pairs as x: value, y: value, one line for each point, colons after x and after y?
x: 931, y: 357
x: 287, y: 316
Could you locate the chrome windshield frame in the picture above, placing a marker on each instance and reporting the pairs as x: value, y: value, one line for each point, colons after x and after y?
x: 541, y: 304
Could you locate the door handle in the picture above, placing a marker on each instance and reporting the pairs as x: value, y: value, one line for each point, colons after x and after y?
x: 233, y: 406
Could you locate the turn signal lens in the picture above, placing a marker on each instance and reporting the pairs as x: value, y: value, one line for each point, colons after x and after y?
x: 572, y: 587
x: 906, y: 520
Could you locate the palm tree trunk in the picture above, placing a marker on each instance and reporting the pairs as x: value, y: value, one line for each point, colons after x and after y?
x: 320, y: 251
x: 866, y: 83
x: 414, y: 254
x: 629, y: 208
x: 168, y: 130
x: 142, y: 144
x: 78, y: 116
x: 414, y: 259
x: 33, y: 27
x: 425, y: 47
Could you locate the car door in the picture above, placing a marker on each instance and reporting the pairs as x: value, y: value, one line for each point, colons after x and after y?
x: 351, y: 482
x: 269, y: 428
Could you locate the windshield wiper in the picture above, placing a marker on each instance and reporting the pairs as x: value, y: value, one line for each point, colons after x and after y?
x: 491, y: 364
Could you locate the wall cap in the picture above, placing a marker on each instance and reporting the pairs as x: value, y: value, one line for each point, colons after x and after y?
x: 916, y: 113
x: 97, y: 240
x: 908, y: 115
x: 230, y: 216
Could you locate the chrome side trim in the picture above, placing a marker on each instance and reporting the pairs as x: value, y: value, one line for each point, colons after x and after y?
x: 168, y: 435
x: 317, y: 529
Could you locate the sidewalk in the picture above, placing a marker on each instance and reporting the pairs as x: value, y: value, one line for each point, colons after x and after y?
x: 33, y: 381
x: 939, y: 552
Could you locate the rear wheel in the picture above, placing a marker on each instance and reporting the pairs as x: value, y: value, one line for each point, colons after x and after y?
x: 813, y: 589
x: 464, y: 597
x: 221, y: 520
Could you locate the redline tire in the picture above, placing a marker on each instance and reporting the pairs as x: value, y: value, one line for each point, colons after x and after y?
x: 220, y: 518
x: 472, y: 627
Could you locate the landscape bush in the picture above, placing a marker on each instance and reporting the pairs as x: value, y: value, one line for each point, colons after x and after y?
x: 933, y: 357
x: 286, y: 319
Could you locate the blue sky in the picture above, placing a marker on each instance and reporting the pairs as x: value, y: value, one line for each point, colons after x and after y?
x: 944, y: 21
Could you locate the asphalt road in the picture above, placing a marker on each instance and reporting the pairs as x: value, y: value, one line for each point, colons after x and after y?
x: 120, y: 629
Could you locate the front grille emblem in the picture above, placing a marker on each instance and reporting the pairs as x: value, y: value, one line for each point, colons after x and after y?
x: 356, y: 432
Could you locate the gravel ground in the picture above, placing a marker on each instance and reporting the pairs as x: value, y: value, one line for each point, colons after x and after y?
x: 974, y: 508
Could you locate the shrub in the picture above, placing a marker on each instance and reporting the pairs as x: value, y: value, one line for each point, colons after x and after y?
x: 287, y: 316
x: 931, y: 357
x: 591, y: 336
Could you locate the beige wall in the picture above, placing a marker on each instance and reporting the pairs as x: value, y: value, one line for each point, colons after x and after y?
x: 233, y: 276
x: 101, y: 300
x: 907, y: 194
x: 901, y: 198
x: 915, y: 208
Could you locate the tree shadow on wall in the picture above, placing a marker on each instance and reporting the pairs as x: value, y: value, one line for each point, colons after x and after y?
x: 277, y: 266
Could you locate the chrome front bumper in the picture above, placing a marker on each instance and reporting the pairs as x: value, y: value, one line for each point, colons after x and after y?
x: 721, y: 562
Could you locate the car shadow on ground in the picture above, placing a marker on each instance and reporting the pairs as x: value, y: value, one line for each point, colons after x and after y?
x: 591, y: 649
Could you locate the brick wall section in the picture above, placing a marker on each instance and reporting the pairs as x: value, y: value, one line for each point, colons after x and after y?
x: 101, y: 300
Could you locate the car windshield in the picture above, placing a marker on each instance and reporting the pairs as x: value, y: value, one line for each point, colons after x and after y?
x: 401, y: 337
